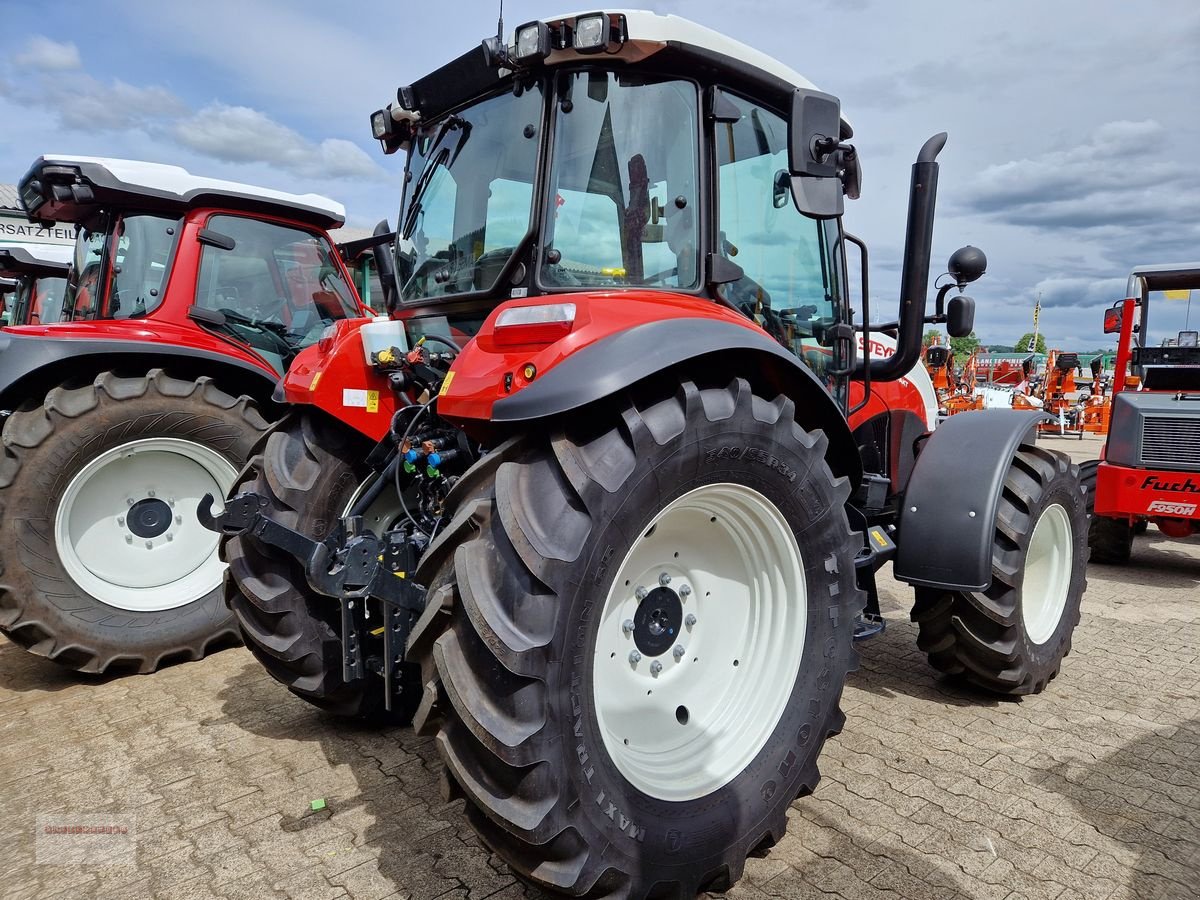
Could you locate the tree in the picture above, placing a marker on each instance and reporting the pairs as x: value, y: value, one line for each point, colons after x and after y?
x: 1022, y: 346
x: 964, y: 346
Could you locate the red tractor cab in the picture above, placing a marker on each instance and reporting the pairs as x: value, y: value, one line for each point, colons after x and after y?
x: 187, y: 299
x: 602, y: 506
x: 1149, y: 472
x: 33, y: 280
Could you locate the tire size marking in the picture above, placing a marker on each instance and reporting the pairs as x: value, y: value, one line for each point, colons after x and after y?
x: 624, y: 824
x: 754, y: 455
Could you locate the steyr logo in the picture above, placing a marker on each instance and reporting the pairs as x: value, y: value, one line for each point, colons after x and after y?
x: 1186, y: 486
x: 1169, y: 508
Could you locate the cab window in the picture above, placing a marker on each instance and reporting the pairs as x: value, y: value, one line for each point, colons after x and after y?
x: 791, y: 278
x: 277, y: 288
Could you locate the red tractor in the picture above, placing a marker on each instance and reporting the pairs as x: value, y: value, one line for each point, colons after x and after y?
x: 1149, y: 471
x: 602, y: 506
x: 33, y: 278
x: 187, y: 299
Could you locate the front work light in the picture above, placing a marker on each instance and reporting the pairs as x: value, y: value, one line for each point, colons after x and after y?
x: 593, y: 33
x: 379, y: 124
x: 533, y: 42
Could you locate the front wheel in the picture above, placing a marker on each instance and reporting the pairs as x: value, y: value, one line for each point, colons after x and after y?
x: 637, y: 638
x: 1110, y: 541
x: 105, y: 564
x: 1012, y: 638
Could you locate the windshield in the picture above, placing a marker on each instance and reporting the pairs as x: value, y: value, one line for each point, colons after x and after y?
x: 470, y: 196
x: 138, y: 252
x: 624, y: 181
x: 277, y: 288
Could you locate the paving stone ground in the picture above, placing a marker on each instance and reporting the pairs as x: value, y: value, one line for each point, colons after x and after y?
x: 1090, y: 790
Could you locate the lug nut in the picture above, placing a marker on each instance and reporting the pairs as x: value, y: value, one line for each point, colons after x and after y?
x: 120, y: 520
x: 149, y: 493
x: 640, y: 592
x: 149, y: 545
x: 129, y: 501
x: 685, y: 590
x: 171, y: 501
x: 179, y: 520
x: 627, y: 627
x: 678, y: 652
x: 655, y: 668
x: 129, y: 538
x: 689, y: 620
x: 634, y: 657
x: 170, y: 537
x: 664, y: 579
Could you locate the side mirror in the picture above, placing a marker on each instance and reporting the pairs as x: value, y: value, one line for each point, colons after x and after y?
x: 960, y: 316
x: 967, y: 264
x: 1112, y: 320
x: 814, y: 133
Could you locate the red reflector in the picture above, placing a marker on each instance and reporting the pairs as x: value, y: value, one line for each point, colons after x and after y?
x: 540, y: 333
x: 543, y: 324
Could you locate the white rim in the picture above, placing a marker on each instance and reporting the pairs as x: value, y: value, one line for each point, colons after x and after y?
x: 1047, y: 574
x: 126, y: 527
x: 680, y: 725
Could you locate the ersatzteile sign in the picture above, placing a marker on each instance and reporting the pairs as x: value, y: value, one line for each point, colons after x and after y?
x: 15, y: 228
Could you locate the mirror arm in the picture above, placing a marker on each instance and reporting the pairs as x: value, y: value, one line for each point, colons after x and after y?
x: 862, y: 370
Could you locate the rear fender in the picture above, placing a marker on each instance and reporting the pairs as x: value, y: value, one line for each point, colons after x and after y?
x: 949, y: 510
x: 30, y: 365
x: 489, y: 390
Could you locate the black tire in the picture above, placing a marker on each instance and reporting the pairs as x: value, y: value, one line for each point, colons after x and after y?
x: 506, y: 641
x: 42, y: 608
x: 983, y: 636
x: 1110, y: 541
x: 308, y: 468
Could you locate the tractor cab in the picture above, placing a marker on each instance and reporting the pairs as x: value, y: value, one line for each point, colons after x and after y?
x: 159, y: 248
x: 33, y: 280
x: 637, y: 165
x: 1147, y: 474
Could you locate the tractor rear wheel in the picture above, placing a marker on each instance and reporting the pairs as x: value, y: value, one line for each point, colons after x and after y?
x: 1109, y: 540
x: 310, y: 471
x: 1012, y: 638
x: 105, y: 566
x: 637, y: 638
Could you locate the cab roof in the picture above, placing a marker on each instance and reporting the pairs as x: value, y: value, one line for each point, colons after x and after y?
x: 1164, y: 277
x: 670, y: 40
x: 44, y: 260
x: 63, y: 188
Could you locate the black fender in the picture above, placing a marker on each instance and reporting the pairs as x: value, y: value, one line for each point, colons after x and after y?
x: 697, y: 347
x: 948, y: 513
x: 30, y: 365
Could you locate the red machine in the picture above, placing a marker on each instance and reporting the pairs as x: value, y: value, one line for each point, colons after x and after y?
x: 187, y: 299
x: 33, y: 279
x: 602, y: 506
x: 1150, y: 468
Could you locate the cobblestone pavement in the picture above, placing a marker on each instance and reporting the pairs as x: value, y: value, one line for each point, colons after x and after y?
x: 1091, y: 789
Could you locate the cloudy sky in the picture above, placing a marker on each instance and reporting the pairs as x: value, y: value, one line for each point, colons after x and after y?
x: 1074, y: 125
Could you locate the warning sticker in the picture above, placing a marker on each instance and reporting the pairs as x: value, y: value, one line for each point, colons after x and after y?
x: 446, y: 384
x: 373, y: 401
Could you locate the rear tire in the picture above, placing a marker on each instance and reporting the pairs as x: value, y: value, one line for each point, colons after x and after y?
x: 103, y: 563
x: 1110, y: 541
x: 1012, y: 638
x: 541, y: 729
x: 305, y: 471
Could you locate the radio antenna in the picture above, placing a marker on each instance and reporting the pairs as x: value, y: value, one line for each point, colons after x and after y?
x: 500, y: 26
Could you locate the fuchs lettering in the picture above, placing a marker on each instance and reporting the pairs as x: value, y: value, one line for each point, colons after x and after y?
x: 1186, y: 486
x: 754, y: 455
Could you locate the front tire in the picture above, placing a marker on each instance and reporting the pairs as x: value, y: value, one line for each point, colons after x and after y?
x: 105, y: 566
x: 589, y: 770
x: 309, y: 470
x: 1012, y: 638
x: 1110, y: 541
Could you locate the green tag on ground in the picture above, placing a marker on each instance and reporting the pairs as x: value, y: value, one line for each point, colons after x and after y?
x: 317, y: 804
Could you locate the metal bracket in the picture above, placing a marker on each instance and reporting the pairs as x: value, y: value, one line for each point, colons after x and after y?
x: 364, y: 565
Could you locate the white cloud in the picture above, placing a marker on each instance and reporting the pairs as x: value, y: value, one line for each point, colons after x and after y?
x: 49, y: 56
x: 241, y: 134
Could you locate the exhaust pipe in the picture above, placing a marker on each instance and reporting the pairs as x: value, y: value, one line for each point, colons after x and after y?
x: 914, y: 280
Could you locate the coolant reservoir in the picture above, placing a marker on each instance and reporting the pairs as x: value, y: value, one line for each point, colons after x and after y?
x: 382, y: 334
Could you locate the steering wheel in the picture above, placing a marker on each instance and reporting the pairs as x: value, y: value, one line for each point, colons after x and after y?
x: 661, y: 276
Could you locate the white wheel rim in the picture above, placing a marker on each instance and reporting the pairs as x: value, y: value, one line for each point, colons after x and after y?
x: 126, y: 529
x: 1047, y: 574
x: 693, y: 726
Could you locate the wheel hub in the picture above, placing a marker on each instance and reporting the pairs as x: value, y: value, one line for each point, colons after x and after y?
x: 657, y: 621
x: 149, y: 517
